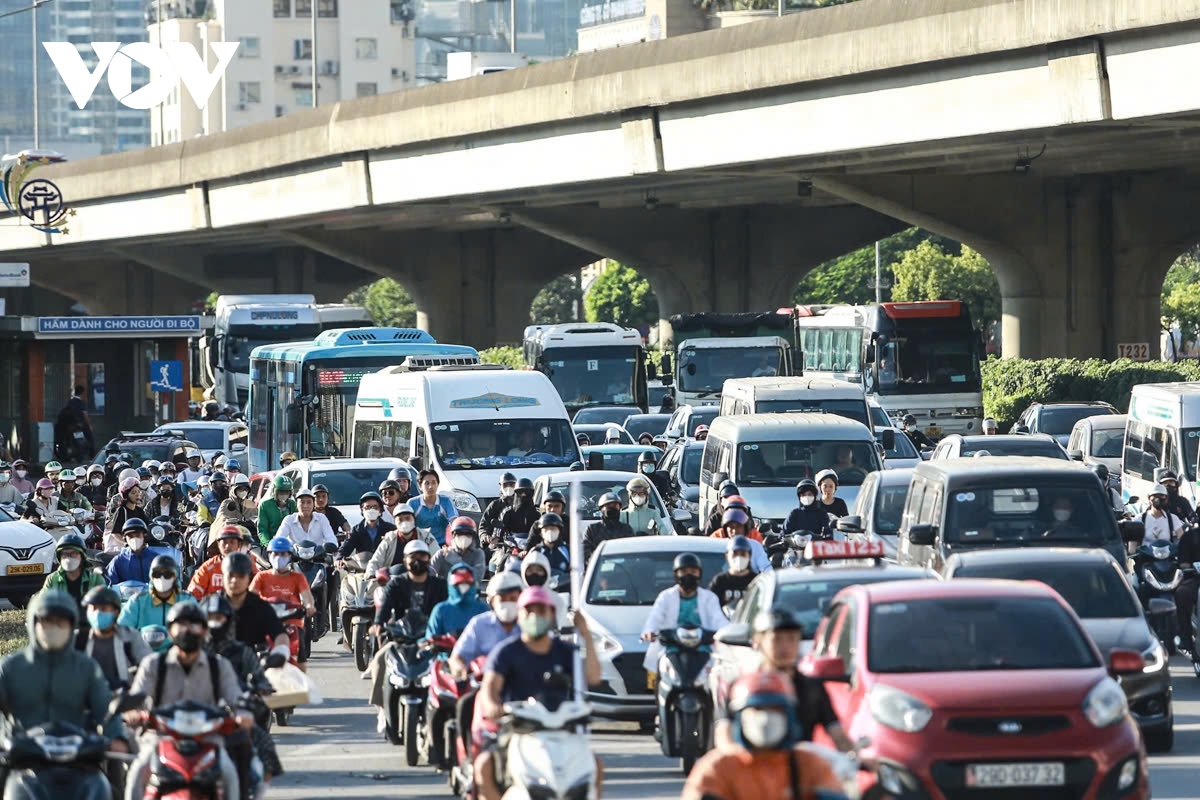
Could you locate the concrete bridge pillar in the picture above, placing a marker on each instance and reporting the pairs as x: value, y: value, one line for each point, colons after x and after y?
x: 1080, y: 260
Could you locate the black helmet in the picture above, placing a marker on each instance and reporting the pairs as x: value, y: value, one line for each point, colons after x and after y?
x: 687, y: 560
x: 399, y: 474
x: 320, y: 487
x: 71, y: 541
x: 525, y: 485
x: 909, y: 419
x: 237, y: 564
x: 647, y: 456
x: 728, y: 489
x: 389, y: 484
x: 217, y: 603
x: 102, y: 596
x: 550, y: 520
x: 370, y: 496
x: 777, y: 619
x: 739, y: 544
x: 186, y: 612
x: 54, y: 603
x: 1101, y: 471
x: 554, y: 496
x: 806, y: 483
x: 164, y: 563
x: 507, y: 477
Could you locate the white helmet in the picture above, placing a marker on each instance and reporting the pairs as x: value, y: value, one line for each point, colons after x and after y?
x: 504, y: 582
x: 612, y: 435
x: 535, y: 557
x: 416, y: 546
x: 130, y: 472
x: 240, y: 479
x: 638, y: 483
x: 81, y: 473
x: 194, y: 453
x: 1157, y: 488
x: 202, y: 482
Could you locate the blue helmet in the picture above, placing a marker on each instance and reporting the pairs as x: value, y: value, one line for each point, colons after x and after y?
x: 738, y: 544
x: 233, y: 463
x: 280, y: 544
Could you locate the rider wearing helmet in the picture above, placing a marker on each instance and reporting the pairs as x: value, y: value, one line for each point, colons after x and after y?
x: 1177, y: 504
x: 610, y: 525
x: 809, y: 517
x: 462, y: 547
x: 117, y: 649
x: 639, y: 514
x: 737, y: 522
x: 133, y: 562
x: 9, y: 494
x: 390, y: 551
x: 686, y: 603
x: 726, y: 490
x: 490, y: 529
x: 273, y: 510
x: 167, y: 501
x: 730, y: 585
x: 647, y: 467
x: 74, y: 575
x: 285, y: 459
x: 918, y: 438
x: 20, y: 478
x: 535, y: 571
x: 766, y: 762
x: 403, y: 477
x: 552, y: 542
x: 306, y: 523
x: 152, y: 607
x: 44, y: 501
x: 209, y: 577
x: 369, y: 532
x: 452, y: 614
x: 828, y: 501
x: 337, y: 521
x: 389, y: 490
x: 210, y: 501
x: 612, y: 435
x: 255, y: 621
x: 93, y: 486
x: 283, y: 584
x: 701, y: 433
x: 127, y: 505
x: 69, y: 496
x: 1158, y: 520
x: 520, y: 517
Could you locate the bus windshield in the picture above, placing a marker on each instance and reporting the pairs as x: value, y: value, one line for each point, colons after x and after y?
x: 850, y: 409
x: 593, y: 375
x: 484, y: 444
x: 780, y: 463
x: 928, y: 358
x: 705, y: 369
x: 239, y: 345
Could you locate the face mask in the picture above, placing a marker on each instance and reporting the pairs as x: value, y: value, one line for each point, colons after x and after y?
x: 280, y: 562
x: 535, y: 626
x: 464, y: 589
x: 1062, y: 514
x: 71, y: 563
x: 1158, y: 502
x: 508, y: 491
x: 807, y: 500
x: 647, y: 468
x: 418, y: 567
x: 638, y: 500
x: 163, y: 585
x: 524, y: 499
x: 407, y: 526
x: 612, y: 514
x: 97, y: 481
x: 217, y: 630
x: 135, y: 543
x: 221, y: 492
x: 910, y: 427
x: 687, y: 582
x: 21, y: 473
x: 763, y: 728
x: 739, y: 563
x: 535, y: 578
x: 462, y: 543
x: 550, y: 535
x: 101, y: 620
x: 241, y: 493
x: 189, y: 642
x: 144, y: 484
x: 5, y: 477
x: 373, y: 514
x: 1173, y: 491
x: 55, y: 638
x: 506, y: 612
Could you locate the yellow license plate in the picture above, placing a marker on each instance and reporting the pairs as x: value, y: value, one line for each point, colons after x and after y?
x: 651, y: 680
x: 25, y: 569
x: 933, y: 430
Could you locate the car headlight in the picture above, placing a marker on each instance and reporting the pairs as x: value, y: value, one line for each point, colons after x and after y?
x: 425, y: 679
x: 465, y: 501
x: 1155, y: 657
x: 1105, y: 704
x: 898, y: 710
x: 606, y: 646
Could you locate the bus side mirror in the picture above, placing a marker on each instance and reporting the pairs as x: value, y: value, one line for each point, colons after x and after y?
x: 888, y: 439
x: 666, y: 364
x: 651, y: 372
x: 869, y: 356
x: 295, y: 419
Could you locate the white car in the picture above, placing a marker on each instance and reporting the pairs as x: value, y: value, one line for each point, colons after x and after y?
x: 623, y: 579
x: 347, y: 479
x: 26, y: 558
x: 230, y: 438
x: 587, y: 486
x: 903, y: 453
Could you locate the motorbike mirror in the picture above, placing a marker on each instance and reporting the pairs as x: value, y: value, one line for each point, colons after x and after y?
x: 693, y: 531
x: 1132, y: 530
x: 274, y: 660
x: 1075, y: 455
x: 735, y: 634
x: 123, y: 701
x: 826, y: 668
x: 330, y: 548
x: 922, y: 534
x: 417, y: 463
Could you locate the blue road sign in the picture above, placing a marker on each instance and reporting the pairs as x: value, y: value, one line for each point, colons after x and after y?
x: 119, y: 326
x: 166, y: 376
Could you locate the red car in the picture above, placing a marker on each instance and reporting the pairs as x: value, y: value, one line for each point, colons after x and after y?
x: 979, y: 689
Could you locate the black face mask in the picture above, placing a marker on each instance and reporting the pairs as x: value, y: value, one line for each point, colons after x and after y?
x: 1173, y: 491
x: 535, y: 578
x: 418, y: 567
x: 1158, y: 502
x: 612, y: 514
x: 189, y: 642
x: 221, y: 492
x: 218, y: 631
x: 524, y: 499
x: 688, y: 582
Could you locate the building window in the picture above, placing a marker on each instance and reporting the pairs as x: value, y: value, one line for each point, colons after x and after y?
x: 366, y: 49
x: 251, y: 47
x: 304, y: 98
x: 325, y: 8
x: 249, y: 92
x: 283, y: 8
x: 368, y: 89
x: 279, y: 111
x: 302, y: 49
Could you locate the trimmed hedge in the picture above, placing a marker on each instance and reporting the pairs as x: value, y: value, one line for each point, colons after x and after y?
x: 508, y: 356
x: 1011, y: 384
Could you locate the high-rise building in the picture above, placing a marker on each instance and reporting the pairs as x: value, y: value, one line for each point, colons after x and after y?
x: 362, y: 48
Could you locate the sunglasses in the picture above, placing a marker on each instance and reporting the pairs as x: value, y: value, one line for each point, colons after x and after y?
x: 170, y: 575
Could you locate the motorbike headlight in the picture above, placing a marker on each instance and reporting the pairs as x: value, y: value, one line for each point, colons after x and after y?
x: 306, y: 553
x: 465, y: 501
x: 1105, y: 704
x: 606, y: 646
x: 898, y: 710
x: 1161, y: 552
x: 1155, y: 657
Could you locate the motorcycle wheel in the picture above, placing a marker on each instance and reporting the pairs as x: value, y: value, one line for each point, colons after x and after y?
x: 283, y: 716
x: 686, y: 764
x: 362, y: 659
x: 412, y: 737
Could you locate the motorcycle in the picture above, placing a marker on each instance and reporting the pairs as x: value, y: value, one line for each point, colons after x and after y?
x: 358, y: 608
x: 186, y: 763
x: 685, y: 713
x: 311, y: 560
x: 156, y: 638
x: 513, y: 545
x: 1156, y: 567
x: 547, y: 755
x: 293, y: 619
x: 405, y: 690
x: 461, y: 769
x: 440, y: 705
x: 129, y: 590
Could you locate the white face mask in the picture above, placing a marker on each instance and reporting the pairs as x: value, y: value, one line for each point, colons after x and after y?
x: 70, y: 563
x: 49, y: 638
x: 462, y: 542
x: 144, y: 484
x: 550, y: 535
x: 280, y: 562
x: 5, y: 477
x: 1062, y: 514
x: 508, y: 491
x: 371, y: 514
x: 135, y: 543
x: 240, y: 493
x: 763, y: 727
x: 506, y: 612
x: 21, y: 473
x: 807, y: 499
x: 407, y: 526
x: 97, y: 481
x: 163, y: 585
x: 739, y: 563
x: 638, y: 500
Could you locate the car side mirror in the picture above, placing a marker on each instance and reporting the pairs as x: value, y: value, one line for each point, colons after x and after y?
x: 681, y: 515
x: 295, y: 419
x: 825, y: 668
x: 417, y: 463
x: 673, y: 434
x: 1125, y: 662
x: 1075, y: 455
x: 1020, y: 428
x: 1132, y: 530
x: 595, y: 460
x: 238, y: 448
x: 922, y: 534
x: 850, y: 524
x: 888, y: 439
x: 735, y: 634
x: 720, y: 478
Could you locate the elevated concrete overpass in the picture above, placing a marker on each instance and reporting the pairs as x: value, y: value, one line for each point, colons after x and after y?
x: 1059, y: 137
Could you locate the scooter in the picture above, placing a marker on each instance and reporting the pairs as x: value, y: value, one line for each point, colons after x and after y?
x: 407, y: 686
x: 547, y: 755
x: 129, y: 590
x: 685, y: 713
x: 1156, y: 566
x: 292, y: 617
x: 461, y: 769
x: 186, y: 763
x: 310, y: 560
x: 357, y: 608
x: 440, y: 705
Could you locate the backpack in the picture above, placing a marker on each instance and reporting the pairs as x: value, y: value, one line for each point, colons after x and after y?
x: 160, y: 678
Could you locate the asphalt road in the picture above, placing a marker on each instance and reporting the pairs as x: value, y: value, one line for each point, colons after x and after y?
x: 333, y: 748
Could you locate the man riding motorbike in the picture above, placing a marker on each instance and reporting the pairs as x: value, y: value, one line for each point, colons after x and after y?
x: 255, y: 622
x: 306, y: 524
x: 535, y: 571
x: 210, y: 501
x: 462, y: 547
x: 272, y: 510
x: 686, y: 604
x: 730, y: 585
x: 337, y: 520
x: 390, y: 550
x: 208, y: 576
x: 609, y: 527
x: 74, y: 575
x: 368, y: 533
x: 553, y: 544
x: 452, y: 614
x: 283, y: 583
x: 523, y: 514
x: 809, y: 516
x: 639, y: 514
x: 726, y: 490
x: 490, y: 529
x: 153, y: 607
x: 117, y: 649
x: 133, y: 562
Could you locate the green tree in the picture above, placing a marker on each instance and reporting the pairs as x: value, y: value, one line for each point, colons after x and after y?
x: 1181, y: 296
x: 556, y: 302
x: 622, y: 296
x: 388, y: 303
x: 928, y: 272
x: 847, y: 279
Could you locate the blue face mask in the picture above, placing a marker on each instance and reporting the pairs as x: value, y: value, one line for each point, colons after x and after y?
x: 101, y: 620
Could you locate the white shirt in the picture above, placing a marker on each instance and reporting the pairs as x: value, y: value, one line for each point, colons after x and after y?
x: 665, y: 614
x: 319, y: 530
x: 1161, y: 527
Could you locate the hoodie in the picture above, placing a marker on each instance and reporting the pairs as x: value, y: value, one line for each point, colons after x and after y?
x: 451, y: 616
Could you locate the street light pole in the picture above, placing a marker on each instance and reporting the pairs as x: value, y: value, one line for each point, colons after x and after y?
x: 512, y: 26
x: 315, y: 88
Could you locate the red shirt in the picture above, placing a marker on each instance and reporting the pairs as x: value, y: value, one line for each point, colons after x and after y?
x: 271, y: 586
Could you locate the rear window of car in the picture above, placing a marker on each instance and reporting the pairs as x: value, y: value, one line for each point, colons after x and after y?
x: 1016, y: 447
x: 809, y: 600
x: 1094, y: 590
x: 1059, y: 421
x: 636, y: 579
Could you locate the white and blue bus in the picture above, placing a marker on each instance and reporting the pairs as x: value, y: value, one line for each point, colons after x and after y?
x: 302, y: 394
x: 917, y: 358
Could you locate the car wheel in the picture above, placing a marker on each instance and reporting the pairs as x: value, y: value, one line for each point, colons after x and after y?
x: 19, y: 600
x: 1162, y: 739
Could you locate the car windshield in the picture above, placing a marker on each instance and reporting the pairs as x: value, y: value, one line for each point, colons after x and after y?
x: 1059, y: 421
x: 5, y: 516
x: 690, y: 473
x: 589, y: 492
x: 207, y: 438
x: 903, y: 448
x: 624, y: 462
x: 1107, y: 442
x: 1027, y: 514
x: 701, y: 416
x: 1093, y: 590
x: 347, y: 485
x: 809, y: 599
x: 596, y: 433
x: 705, y: 369
x: 1017, y: 446
x: 879, y: 417
x: 636, y: 579
x: 238, y: 346
x: 975, y: 633
x: 473, y: 444
x: 137, y: 452
x: 653, y: 424
x: 785, y: 463
x: 600, y: 415
x: 656, y: 393
x: 594, y: 374
x: 889, y: 508
x: 850, y: 409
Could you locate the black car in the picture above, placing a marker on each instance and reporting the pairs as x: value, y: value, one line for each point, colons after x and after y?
x: 137, y: 448
x: 681, y: 462
x: 1094, y: 585
x: 1057, y: 419
x: 601, y: 415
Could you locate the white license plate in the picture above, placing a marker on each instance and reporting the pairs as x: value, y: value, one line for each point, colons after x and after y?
x: 1042, y: 774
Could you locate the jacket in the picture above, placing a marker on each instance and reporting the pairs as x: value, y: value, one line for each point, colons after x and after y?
x: 208, y: 577
x: 270, y: 517
x: 388, y: 554
x: 489, y: 525
x: 444, y: 560
x: 130, y: 566
x: 11, y: 495
x: 759, y: 560
x: 171, y: 508
x: 451, y: 616
x: 397, y: 597
x: 812, y: 519
x: 735, y: 773
x: 640, y: 518
x: 519, y: 519
x: 146, y: 609
x: 602, y: 531
x: 665, y: 614
x: 38, y: 686
x: 359, y: 540
x: 58, y: 580
x: 121, y: 512
x: 129, y: 651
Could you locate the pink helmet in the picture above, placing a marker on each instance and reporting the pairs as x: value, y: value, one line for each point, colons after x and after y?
x: 45, y: 483
x: 127, y: 485
x: 536, y: 596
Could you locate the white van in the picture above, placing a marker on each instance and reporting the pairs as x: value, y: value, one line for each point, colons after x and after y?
x: 766, y: 455
x: 1162, y: 430
x: 469, y: 423
x: 799, y: 393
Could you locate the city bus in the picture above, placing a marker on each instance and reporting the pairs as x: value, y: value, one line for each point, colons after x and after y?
x: 302, y: 394
x: 591, y: 364
x: 917, y: 358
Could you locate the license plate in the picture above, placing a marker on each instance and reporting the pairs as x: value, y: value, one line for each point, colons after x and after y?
x: 26, y: 569
x: 933, y: 430
x: 1042, y: 774
x: 651, y: 680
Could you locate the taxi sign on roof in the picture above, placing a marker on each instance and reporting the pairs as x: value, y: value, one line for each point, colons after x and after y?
x: 823, y: 550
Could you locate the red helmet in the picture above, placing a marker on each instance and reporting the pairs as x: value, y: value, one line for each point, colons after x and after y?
x: 701, y: 431
x: 461, y: 525
x: 766, y: 688
x: 735, y: 501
